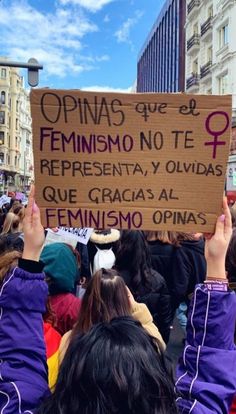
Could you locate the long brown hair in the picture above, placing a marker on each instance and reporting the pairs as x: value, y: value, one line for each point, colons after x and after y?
x: 168, y: 237
x: 8, y: 261
x: 106, y: 297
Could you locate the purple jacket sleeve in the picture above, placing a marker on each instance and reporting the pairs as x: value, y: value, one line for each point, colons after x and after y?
x: 23, y: 368
x: 206, y: 374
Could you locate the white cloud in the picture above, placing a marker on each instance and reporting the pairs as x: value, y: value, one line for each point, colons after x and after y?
x: 123, y: 33
x: 54, y: 39
x: 98, y: 88
x: 91, y: 5
x: 106, y: 18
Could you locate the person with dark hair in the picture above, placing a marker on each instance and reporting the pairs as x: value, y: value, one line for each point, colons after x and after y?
x: 113, y: 368
x: 108, y: 297
x: 61, y: 266
x: 133, y: 262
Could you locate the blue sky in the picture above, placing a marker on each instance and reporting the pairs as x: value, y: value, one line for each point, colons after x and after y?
x: 87, y: 44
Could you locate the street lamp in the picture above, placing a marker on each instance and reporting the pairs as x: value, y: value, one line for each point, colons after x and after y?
x: 33, y: 69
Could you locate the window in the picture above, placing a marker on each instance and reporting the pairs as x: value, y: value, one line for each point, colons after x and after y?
x: 210, y: 11
x: 195, y: 66
x: 3, y: 73
x: 1, y: 138
x: 209, y: 54
x: 1, y: 158
x: 223, y: 36
x: 17, y: 124
x: 16, y: 142
x: 17, y: 106
x: 195, y: 29
x: 3, y: 97
x: 15, y: 161
x: 2, y: 117
x: 223, y: 84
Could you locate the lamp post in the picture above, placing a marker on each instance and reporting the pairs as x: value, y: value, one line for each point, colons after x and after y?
x: 33, y: 69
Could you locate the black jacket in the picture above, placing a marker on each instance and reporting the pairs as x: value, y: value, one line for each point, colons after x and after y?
x: 189, y: 268
x: 157, y: 299
x: 162, y: 255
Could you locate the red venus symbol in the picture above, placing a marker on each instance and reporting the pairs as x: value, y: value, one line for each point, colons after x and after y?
x: 216, y: 134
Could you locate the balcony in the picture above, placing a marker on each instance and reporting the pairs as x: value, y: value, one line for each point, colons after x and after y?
x: 193, y: 43
x: 206, y: 69
x: 193, y: 81
x: 206, y: 28
x: 193, y: 6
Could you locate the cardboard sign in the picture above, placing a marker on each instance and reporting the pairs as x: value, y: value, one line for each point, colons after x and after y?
x: 60, y: 237
x: 82, y: 235
x: 140, y: 161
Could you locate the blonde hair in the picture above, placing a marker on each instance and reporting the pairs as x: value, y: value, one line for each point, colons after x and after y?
x: 8, y: 261
x: 169, y: 237
x: 12, y: 224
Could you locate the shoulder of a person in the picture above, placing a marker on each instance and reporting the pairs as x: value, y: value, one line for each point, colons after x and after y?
x: 157, y: 279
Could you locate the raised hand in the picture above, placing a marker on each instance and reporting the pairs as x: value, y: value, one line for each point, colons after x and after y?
x: 33, y: 230
x: 217, y: 244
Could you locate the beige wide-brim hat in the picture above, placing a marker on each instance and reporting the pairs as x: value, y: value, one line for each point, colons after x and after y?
x: 105, y: 236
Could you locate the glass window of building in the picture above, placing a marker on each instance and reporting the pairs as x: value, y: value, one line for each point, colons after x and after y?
x: 210, y: 11
x: 209, y: 54
x: 3, y: 97
x: 195, y: 29
x: 1, y: 138
x: 223, y: 84
x: 195, y: 66
x: 2, y: 117
x: 223, y: 36
x: 1, y: 158
x: 3, y: 73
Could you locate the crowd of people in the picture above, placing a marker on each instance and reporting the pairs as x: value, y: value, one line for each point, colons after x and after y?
x: 85, y: 330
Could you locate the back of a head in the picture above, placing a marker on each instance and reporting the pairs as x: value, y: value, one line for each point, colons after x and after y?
x: 132, y: 251
x: 106, y: 297
x: 113, y: 369
x: 11, y: 248
x: 168, y: 237
x: 60, y: 267
x: 11, y: 223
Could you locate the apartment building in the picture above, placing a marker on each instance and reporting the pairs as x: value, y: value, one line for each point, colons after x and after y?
x: 16, y: 160
x: 211, y: 47
x: 161, y: 62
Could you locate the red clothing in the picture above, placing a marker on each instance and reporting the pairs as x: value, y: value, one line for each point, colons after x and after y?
x: 52, y: 341
x: 233, y: 408
x: 66, y: 308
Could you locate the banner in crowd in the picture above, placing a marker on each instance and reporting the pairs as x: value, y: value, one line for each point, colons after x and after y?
x: 140, y: 161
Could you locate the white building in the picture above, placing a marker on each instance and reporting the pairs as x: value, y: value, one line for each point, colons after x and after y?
x: 16, y: 161
x: 211, y: 47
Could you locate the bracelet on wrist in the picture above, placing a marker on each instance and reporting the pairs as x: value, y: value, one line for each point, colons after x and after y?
x: 217, y: 285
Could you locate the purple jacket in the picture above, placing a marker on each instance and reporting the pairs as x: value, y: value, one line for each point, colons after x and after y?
x: 207, y: 372
x: 23, y: 369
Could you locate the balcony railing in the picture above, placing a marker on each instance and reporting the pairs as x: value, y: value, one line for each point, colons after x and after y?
x: 205, y: 69
x: 193, y: 80
x: 192, y: 4
x: 207, y: 25
x: 193, y: 41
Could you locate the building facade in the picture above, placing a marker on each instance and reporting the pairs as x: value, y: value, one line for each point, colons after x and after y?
x: 211, y: 47
x: 16, y: 158
x: 161, y: 63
